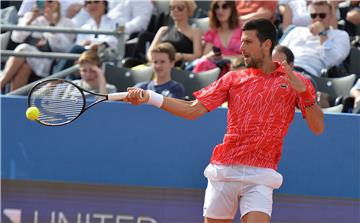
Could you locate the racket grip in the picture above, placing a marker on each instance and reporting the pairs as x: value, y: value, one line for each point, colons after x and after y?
x: 117, y: 96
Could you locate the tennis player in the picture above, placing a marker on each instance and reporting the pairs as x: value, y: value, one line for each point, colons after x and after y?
x: 261, y: 101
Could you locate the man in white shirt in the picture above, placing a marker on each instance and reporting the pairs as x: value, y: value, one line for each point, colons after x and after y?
x: 133, y: 14
x: 318, y: 46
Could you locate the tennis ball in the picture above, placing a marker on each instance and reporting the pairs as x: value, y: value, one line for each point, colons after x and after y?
x: 32, y: 113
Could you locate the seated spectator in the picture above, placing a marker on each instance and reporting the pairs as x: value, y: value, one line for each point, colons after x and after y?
x: 352, y: 20
x: 92, y: 77
x: 353, y: 15
x: 355, y: 92
x: 281, y: 53
x: 18, y: 70
x: 185, y: 39
x: 294, y: 12
x: 163, y: 60
x: 98, y: 20
x: 256, y: 9
x: 68, y: 7
x: 134, y: 15
x: 224, y: 37
x: 318, y: 46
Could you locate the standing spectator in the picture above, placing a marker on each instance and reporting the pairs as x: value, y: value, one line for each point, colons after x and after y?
x: 318, y: 46
x: 185, y: 39
x: 163, y: 60
x: 256, y: 9
x: 18, y: 70
x: 224, y: 35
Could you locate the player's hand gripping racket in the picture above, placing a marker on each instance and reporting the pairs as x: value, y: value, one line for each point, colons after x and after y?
x: 61, y: 102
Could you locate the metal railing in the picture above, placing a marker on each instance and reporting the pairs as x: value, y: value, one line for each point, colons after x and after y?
x: 62, y: 74
x: 119, y: 54
x: 119, y: 33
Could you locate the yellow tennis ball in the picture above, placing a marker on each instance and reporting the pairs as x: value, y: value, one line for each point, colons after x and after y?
x: 32, y: 113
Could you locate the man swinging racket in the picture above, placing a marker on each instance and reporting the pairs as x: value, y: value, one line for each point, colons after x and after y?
x: 261, y: 101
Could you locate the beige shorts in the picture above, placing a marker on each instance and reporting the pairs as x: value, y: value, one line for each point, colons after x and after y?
x: 223, y: 198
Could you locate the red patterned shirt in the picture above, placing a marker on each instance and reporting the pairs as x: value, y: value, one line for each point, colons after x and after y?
x: 260, y: 110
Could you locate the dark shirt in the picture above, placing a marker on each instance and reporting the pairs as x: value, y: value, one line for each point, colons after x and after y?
x: 171, y: 88
x: 181, y: 43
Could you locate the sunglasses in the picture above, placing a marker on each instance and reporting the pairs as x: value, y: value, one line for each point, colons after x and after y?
x: 179, y: 8
x: 321, y: 15
x: 90, y: 2
x: 223, y: 6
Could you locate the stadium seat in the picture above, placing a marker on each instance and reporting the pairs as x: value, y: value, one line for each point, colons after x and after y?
x: 337, y: 88
x: 336, y: 108
x: 123, y: 78
x: 202, y: 24
x: 194, y: 81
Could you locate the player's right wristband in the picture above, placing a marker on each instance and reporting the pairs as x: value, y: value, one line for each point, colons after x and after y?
x: 155, y: 99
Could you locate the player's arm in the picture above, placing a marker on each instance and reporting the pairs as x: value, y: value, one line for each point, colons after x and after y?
x: 315, y: 119
x: 186, y: 109
x: 312, y: 112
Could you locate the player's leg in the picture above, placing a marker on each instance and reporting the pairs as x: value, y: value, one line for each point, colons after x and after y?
x: 256, y: 217
x: 221, y: 201
x: 210, y: 220
x: 256, y: 203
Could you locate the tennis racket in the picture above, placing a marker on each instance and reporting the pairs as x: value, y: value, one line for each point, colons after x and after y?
x: 61, y: 102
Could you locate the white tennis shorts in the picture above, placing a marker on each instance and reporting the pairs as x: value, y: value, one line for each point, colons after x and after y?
x: 230, y: 187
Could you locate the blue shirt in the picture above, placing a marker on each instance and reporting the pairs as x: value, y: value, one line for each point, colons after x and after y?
x: 171, y: 88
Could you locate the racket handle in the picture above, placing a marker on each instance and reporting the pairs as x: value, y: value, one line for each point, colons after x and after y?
x: 117, y: 96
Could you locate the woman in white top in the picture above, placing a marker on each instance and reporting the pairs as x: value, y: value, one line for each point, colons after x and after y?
x: 18, y: 69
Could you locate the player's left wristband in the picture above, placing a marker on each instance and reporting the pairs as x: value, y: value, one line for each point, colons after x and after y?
x: 306, y: 99
x: 155, y: 98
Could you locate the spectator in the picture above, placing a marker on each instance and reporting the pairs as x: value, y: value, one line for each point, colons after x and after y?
x: 353, y: 15
x: 134, y: 15
x: 281, y: 53
x: 92, y: 77
x: 318, y: 46
x: 294, y: 12
x: 163, y: 60
x: 224, y: 35
x: 355, y: 92
x: 98, y: 20
x: 18, y: 70
x: 68, y: 7
x: 185, y: 39
x: 256, y: 9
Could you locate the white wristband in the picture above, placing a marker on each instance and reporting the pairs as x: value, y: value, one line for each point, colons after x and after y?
x: 155, y: 99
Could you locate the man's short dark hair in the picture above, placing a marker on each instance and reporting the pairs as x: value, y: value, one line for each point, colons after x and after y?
x: 288, y: 53
x: 265, y: 30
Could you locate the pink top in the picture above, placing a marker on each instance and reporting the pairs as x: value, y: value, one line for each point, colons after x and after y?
x: 233, y: 47
x: 261, y: 108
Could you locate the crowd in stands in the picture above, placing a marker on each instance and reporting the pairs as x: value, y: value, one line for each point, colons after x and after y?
x: 314, y: 37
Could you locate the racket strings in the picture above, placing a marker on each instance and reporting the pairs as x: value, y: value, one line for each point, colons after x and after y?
x: 58, y: 103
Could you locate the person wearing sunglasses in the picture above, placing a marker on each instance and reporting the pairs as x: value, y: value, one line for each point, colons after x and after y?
x: 185, y: 38
x: 317, y: 46
x: 224, y: 35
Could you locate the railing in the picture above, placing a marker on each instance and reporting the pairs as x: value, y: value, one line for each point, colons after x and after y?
x: 119, y: 54
x: 119, y: 33
x: 62, y: 74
